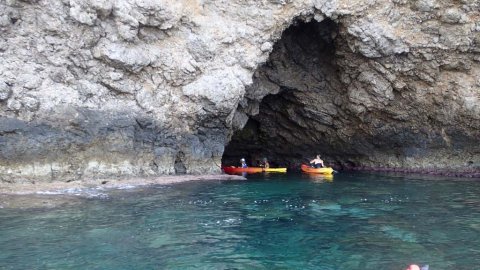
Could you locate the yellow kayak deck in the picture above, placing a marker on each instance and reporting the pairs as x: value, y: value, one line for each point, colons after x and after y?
x: 275, y: 169
x: 233, y: 169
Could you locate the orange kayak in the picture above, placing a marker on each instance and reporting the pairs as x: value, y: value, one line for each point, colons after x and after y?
x: 233, y: 169
x: 308, y: 169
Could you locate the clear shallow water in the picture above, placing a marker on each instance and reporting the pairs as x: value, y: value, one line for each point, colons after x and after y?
x: 356, y: 221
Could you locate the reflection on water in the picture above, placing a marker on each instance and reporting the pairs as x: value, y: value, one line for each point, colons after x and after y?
x: 272, y: 221
x: 319, y: 177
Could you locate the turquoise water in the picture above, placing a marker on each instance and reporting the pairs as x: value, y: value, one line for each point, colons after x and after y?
x: 356, y: 221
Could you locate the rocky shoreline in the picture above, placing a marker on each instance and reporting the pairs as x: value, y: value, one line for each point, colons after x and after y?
x: 77, y: 187
x: 55, y: 194
x: 466, y: 173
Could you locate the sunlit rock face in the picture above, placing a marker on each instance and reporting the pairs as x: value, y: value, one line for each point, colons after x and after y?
x: 132, y: 87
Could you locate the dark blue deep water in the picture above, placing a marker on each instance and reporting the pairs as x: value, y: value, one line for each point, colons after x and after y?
x: 355, y: 221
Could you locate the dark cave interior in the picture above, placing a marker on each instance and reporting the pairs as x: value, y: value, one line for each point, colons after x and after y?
x: 293, y: 122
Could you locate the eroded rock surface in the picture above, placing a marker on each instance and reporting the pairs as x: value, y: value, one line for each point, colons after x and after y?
x: 315, y: 95
x: 133, y: 87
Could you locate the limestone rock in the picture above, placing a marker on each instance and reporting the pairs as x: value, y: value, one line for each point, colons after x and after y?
x: 426, y: 5
x: 376, y: 39
x: 130, y: 58
x: 135, y: 87
x: 5, y: 91
x: 453, y: 15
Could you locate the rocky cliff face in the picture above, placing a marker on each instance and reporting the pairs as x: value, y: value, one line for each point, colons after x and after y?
x: 134, y: 87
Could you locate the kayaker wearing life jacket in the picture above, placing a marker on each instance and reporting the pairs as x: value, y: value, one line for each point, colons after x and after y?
x: 317, y: 162
x: 265, y: 163
x: 244, y: 164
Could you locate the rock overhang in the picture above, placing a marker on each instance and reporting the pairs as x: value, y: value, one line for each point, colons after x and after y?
x: 165, y: 62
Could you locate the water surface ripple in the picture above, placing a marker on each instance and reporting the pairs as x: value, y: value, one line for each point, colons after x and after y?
x: 356, y: 221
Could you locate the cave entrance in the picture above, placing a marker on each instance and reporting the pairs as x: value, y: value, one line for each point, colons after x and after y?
x: 289, y: 112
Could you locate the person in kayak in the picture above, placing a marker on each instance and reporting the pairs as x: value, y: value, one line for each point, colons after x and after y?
x: 317, y: 162
x: 243, y: 163
x: 265, y: 163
